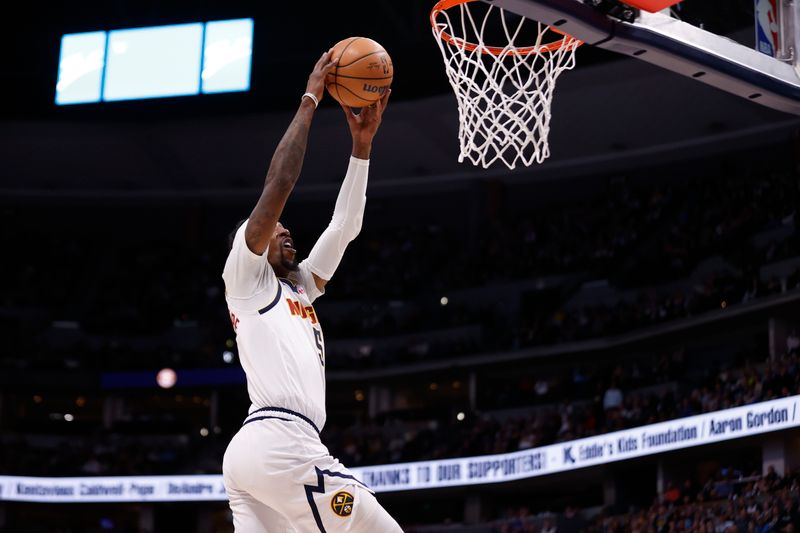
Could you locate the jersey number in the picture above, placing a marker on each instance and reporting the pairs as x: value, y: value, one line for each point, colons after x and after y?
x: 320, y: 346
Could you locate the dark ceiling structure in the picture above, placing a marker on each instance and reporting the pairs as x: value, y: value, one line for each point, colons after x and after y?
x: 608, y: 108
x: 288, y: 38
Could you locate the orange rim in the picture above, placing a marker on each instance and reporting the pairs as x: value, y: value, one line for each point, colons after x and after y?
x: 444, y: 5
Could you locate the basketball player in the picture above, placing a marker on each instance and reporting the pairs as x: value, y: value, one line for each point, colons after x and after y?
x: 278, y: 476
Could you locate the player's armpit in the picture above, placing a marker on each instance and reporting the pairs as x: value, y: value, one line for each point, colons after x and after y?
x: 319, y: 282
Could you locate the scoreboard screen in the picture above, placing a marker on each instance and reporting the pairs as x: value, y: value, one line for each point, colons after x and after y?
x: 155, y: 62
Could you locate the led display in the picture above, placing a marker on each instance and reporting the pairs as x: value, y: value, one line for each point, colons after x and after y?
x: 155, y: 62
x: 80, y: 67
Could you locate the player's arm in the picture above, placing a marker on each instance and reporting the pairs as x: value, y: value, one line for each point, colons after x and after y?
x: 349, y: 210
x: 284, y: 169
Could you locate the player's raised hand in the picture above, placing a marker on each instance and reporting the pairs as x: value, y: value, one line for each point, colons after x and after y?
x: 364, y: 125
x: 316, y: 80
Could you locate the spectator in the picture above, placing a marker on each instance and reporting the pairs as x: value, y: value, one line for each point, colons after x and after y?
x: 792, y: 342
x: 612, y: 399
x: 672, y: 494
x: 548, y: 526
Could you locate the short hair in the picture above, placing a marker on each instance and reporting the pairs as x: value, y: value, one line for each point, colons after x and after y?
x: 232, y: 235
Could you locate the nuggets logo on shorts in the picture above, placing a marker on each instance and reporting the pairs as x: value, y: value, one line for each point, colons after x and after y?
x: 342, y: 503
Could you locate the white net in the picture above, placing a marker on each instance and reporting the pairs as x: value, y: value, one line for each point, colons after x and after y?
x: 504, y: 93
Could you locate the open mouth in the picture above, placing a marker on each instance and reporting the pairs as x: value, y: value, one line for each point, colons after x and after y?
x: 288, y: 245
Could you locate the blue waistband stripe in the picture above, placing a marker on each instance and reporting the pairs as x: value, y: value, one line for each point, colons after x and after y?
x: 269, y: 410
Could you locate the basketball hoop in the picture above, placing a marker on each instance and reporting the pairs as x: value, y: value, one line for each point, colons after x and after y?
x: 504, y: 93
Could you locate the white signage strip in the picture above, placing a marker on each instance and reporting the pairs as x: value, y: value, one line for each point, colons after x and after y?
x: 112, y: 489
x: 652, y: 439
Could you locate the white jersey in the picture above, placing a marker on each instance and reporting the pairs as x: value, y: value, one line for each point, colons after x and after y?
x: 278, y: 333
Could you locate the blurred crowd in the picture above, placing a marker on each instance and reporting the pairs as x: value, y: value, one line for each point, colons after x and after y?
x: 611, y: 399
x: 156, y: 297
x: 90, y: 297
x: 759, y: 508
x: 613, y: 407
x: 109, y: 454
x: 646, y: 241
x: 722, y: 504
x: 717, y: 291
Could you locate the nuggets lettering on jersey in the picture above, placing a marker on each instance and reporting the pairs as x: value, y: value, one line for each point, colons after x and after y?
x: 297, y: 309
x: 342, y: 504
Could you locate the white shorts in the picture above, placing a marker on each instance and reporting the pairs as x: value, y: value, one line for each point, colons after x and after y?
x: 280, y: 478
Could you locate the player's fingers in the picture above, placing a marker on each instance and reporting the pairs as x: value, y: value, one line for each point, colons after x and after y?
x: 329, y: 58
x: 367, y: 113
x: 376, y: 109
x: 385, y: 99
x: 326, y: 59
x: 348, y: 112
x: 330, y: 63
x: 327, y: 67
x: 373, y: 112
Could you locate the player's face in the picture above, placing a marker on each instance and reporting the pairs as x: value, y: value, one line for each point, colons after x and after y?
x: 282, y: 255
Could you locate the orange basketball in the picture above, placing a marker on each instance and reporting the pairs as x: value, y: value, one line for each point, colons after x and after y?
x: 363, y: 73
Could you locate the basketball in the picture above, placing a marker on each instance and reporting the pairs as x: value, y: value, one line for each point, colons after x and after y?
x: 363, y: 73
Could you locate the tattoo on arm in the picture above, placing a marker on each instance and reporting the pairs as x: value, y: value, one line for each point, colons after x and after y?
x: 284, y: 170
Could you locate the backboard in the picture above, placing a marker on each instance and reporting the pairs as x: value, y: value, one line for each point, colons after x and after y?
x: 768, y: 77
